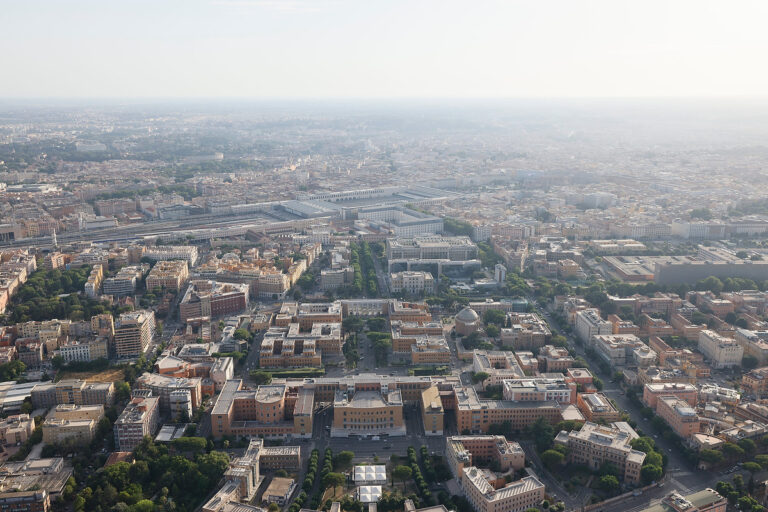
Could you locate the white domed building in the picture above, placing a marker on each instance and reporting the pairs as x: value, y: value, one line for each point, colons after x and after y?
x: 467, y: 321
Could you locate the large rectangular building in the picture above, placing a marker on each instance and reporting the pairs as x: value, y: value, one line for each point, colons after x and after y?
x: 540, y: 389
x: 588, y: 323
x: 683, y: 391
x: 526, y: 331
x: 139, y: 418
x: 72, y: 424
x: 169, y: 275
x: 162, y: 386
x: 516, y: 496
x: 623, y: 349
x: 475, y: 416
x: 25, y: 501
x: 75, y: 392
x: 133, y: 333
x: 286, y: 407
x: 593, y: 445
x: 212, y: 299
x: 462, y: 451
x: 722, y: 352
x: 368, y: 413
x: 679, y: 415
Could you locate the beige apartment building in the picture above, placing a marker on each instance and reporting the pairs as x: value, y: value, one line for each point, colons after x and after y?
x: 139, y: 418
x: 755, y: 382
x: 722, y: 352
x: 76, y: 392
x: 405, y: 334
x: 475, y: 416
x: 133, y: 333
x: 162, y: 386
x: 169, y: 275
x: 277, y: 351
x: 72, y: 424
x: 16, y: 429
x: 754, y: 343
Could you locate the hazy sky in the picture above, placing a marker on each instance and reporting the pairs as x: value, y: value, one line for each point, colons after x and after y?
x: 382, y: 48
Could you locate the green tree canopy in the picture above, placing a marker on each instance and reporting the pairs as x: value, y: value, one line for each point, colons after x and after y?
x: 552, y: 458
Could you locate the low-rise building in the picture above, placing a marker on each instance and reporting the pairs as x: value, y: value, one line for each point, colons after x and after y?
x: 16, y: 429
x: 162, y: 386
x: 278, y: 351
x: 75, y: 392
x: 597, y: 408
x: 703, y: 501
x: 48, y: 474
x: 498, y: 365
x: 86, y: 350
x: 753, y: 343
x: 124, y: 282
x: 279, y: 491
x: 430, y: 351
x: 25, y: 501
x: 475, y: 416
x: 715, y: 393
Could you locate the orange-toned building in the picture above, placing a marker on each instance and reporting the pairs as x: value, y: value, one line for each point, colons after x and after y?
x: 596, y: 407
x: 755, y: 382
x: 679, y: 415
x: 652, y: 392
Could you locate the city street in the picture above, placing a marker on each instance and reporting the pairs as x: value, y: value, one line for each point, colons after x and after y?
x: 680, y: 475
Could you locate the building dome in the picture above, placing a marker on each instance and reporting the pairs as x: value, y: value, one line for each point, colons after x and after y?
x: 467, y: 316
